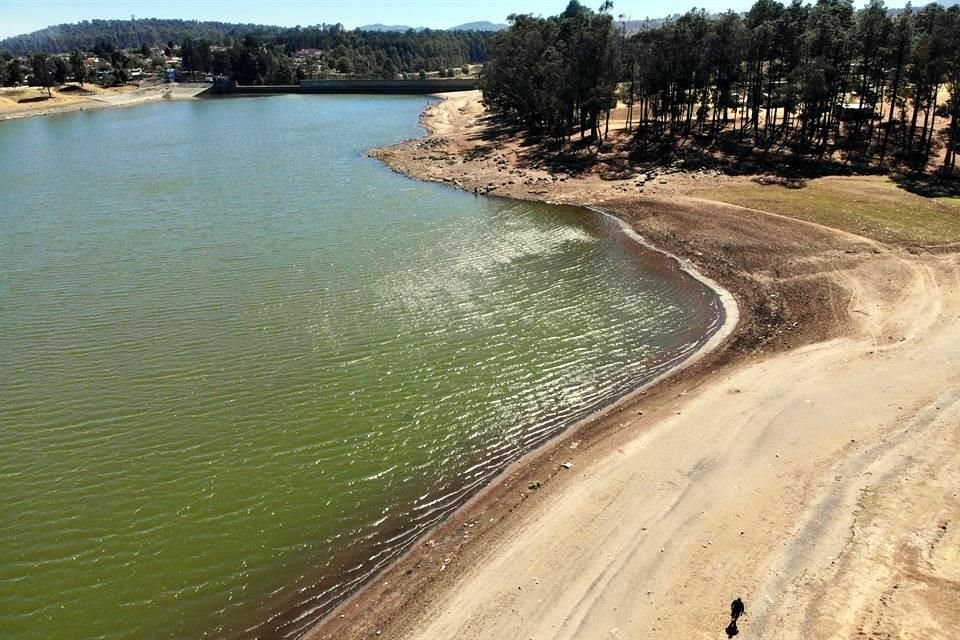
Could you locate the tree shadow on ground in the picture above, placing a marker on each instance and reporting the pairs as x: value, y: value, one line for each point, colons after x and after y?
x: 623, y: 155
x: 929, y: 186
x: 574, y: 158
x: 496, y: 129
x: 72, y: 88
x: 494, y: 132
x: 779, y: 166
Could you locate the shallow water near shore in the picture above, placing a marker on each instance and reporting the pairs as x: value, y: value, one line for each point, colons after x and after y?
x: 244, y: 366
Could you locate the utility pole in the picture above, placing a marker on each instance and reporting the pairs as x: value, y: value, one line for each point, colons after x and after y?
x: 133, y: 21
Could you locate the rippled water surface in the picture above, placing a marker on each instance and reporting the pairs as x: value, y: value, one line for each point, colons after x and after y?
x: 242, y: 365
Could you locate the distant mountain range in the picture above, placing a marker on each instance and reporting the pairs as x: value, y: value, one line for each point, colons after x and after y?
x: 389, y: 27
x: 479, y: 26
x: 469, y: 26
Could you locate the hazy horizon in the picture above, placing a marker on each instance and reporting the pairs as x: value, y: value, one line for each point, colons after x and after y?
x: 26, y: 16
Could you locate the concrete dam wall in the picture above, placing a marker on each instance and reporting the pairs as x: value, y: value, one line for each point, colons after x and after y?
x: 412, y: 87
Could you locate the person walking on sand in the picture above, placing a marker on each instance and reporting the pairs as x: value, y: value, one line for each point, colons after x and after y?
x: 736, y: 610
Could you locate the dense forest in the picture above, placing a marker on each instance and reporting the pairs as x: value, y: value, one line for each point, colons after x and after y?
x: 375, y: 54
x: 131, y: 34
x: 818, y: 81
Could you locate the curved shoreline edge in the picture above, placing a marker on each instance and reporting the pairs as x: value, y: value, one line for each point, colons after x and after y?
x: 708, y: 344
x: 728, y: 303
x: 804, y: 466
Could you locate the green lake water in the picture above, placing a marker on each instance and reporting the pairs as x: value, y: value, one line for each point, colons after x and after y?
x: 243, y: 366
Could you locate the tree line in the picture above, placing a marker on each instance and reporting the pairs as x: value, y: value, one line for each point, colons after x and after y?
x: 129, y: 34
x: 373, y: 54
x: 45, y: 70
x: 555, y: 74
x: 818, y: 81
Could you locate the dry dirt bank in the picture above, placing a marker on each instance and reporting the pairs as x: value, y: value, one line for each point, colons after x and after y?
x: 811, y: 467
x: 38, y: 104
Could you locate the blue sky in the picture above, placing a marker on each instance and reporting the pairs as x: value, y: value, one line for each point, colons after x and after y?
x: 23, y: 16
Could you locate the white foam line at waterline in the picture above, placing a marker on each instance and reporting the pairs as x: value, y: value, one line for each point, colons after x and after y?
x: 731, y: 311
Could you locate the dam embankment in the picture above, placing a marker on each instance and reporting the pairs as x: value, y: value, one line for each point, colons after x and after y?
x: 354, y: 87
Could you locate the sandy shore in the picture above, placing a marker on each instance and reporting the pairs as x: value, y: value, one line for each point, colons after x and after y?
x: 811, y: 465
x: 27, y: 102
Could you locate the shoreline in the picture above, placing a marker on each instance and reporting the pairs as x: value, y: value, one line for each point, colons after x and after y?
x: 710, y: 343
x: 716, y: 335
x: 423, y: 592
x: 530, y: 460
x: 728, y: 303
x: 148, y: 95
x: 728, y: 326
x: 712, y: 340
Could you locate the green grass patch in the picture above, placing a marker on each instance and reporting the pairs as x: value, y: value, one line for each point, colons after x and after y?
x: 874, y: 207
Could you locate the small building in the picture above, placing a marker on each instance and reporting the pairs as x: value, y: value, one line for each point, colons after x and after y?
x: 853, y: 111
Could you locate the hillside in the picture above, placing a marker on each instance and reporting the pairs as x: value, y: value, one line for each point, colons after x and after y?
x: 157, y: 32
x: 127, y: 34
x: 401, y: 28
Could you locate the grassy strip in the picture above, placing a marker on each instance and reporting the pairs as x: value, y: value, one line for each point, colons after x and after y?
x: 871, y: 206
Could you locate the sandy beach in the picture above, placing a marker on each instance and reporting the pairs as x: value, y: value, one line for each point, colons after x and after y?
x: 25, y: 102
x: 810, y: 465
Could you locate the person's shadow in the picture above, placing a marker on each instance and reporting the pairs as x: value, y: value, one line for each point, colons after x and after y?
x: 732, y: 629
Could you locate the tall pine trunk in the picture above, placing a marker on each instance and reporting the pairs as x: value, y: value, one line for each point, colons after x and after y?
x: 949, y: 161
x: 908, y: 142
